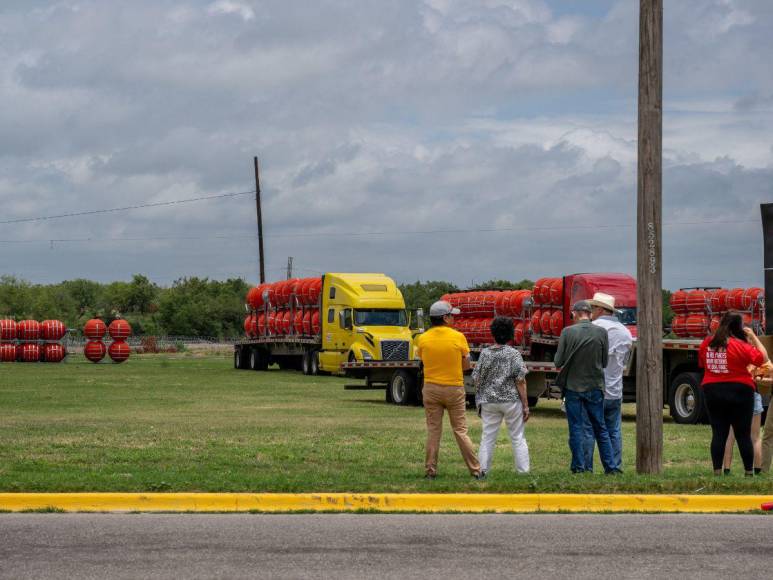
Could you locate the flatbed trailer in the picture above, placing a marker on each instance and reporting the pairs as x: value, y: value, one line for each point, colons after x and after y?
x: 682, y: 377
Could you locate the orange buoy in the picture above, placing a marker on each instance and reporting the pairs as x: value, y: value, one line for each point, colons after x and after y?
x: 53, y: 352
x: 298, y: 322
x: 717, y: 300
x: 557, y: 291
x: 751, y: 299
x: 697, y: 325
x: 29, y: 352
x: 7, y: 352
x: 544, y: 322
x: 735, y: 299
x: 537, y: 290
x: 307, y: 323
x: 95, y: 329
x: 678, y: 302
x: 119, y: 329
x: 94, y: 350
x: 315, y: 327
x: 697, y: 301
x: 28, y: 330
x: 557, y: 323
x: 679, y: 326
x: 536, y: 319
x: 52, y: 330
x: 119, y: 351
x: 261, y: 324
x: 519, y: 336
x: 7, y: 329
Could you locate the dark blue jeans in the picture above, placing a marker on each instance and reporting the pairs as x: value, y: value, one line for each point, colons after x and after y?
x: 578, y: 406
x: 613, y: 410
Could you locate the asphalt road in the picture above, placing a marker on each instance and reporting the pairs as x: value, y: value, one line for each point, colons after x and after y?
x: 45, y: 546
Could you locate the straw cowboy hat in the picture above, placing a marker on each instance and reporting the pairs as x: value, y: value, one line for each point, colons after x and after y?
x: 604, y: 301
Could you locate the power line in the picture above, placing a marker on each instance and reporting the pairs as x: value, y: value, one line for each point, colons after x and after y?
x: 125, y: 208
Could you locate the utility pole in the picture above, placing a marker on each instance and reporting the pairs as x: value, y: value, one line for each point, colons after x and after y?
x: 260, y: 225
x: 766, y: 209
x: 649, y: 355
x: 289, y: 267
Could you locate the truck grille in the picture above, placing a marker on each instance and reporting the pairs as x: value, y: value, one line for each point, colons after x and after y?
x: 394, y: 350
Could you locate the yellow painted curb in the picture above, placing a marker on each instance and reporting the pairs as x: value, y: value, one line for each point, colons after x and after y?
x: 388, y: 502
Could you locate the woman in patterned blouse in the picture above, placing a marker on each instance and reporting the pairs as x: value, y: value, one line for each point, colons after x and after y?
x: 500, y: 393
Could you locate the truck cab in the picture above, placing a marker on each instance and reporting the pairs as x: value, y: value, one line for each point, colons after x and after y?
x: 584, y: 286
x: 363, y: 319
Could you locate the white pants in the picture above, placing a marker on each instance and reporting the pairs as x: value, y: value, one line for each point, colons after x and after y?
x: 492, y: 415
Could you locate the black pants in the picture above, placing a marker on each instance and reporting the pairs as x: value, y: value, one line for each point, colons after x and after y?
x: 730, y: 405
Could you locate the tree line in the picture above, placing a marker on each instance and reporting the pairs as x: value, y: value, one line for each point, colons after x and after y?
x: 189, y: 307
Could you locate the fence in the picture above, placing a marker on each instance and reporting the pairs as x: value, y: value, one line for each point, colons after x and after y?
x: 75, y: 341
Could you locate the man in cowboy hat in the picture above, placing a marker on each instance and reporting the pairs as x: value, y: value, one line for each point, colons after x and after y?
x: 445, y: 356
x: 620, y: 342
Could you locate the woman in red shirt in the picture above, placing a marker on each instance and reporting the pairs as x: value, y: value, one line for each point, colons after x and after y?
x: 729, y: 388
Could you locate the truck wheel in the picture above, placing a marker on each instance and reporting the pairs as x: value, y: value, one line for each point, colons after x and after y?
x: 254, y: 359
x: 403, y: 388
x: 306, y: 363
x: 685, y: 400
x: 532, y: 401
x: 240, y: 359
x: 314, y: 363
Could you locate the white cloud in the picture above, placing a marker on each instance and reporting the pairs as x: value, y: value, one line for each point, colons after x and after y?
x: 376, y: 116
x: 232, y: 7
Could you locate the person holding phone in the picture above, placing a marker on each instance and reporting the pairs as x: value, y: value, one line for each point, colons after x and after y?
x: 729, y: 387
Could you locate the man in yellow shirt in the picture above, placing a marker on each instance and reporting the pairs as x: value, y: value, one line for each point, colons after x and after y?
x: 445, y: 356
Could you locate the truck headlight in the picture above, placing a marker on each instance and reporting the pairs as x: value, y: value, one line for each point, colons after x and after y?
x: 365, y: 354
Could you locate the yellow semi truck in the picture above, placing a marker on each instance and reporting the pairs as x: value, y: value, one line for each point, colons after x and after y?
x: 351, y: 317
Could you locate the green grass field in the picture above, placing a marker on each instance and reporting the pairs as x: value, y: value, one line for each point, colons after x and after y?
x: 189, y: 423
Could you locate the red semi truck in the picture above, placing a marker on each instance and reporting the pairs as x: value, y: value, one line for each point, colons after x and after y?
x: 539, y: 316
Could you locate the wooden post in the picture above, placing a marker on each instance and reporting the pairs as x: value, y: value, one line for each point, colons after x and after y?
x: 289, y: 267
x: 649, y: 354
x: 260, y: 225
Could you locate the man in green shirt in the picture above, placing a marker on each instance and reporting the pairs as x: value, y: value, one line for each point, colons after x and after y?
x: 582, y: 356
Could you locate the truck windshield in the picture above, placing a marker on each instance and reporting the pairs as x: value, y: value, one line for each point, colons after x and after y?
x: 380, y: 318
x: 627, y: 316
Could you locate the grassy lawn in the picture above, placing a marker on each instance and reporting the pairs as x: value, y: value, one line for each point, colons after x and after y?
x: 190, y: 423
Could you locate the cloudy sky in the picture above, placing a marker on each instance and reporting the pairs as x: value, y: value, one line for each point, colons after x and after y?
x: 429, y: 139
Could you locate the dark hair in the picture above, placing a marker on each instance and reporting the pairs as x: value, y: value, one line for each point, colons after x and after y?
x: 437, y: 321
x: 730, y: 325
x: 502, y: 329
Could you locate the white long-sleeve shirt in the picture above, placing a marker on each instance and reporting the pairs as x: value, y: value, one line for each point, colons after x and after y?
x: 620, y: 342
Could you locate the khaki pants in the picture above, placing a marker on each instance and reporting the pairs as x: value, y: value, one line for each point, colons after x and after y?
x: 767, y: 441
x: 438, y: 398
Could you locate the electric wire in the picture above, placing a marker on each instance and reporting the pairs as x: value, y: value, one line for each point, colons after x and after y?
x: 125, y: 208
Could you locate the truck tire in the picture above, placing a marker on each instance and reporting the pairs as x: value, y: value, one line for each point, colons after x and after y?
x: 254, y: 359
x: 314, y: 363
x: 402, y: 385
x: 685, y: 399
x: 532, y: 401
x: 306, y: 363
x: 240, y: 359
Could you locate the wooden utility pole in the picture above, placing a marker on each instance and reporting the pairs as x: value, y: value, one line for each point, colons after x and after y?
x: 289, y: 267
x: 649, y: 353
x: 260, y: 225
